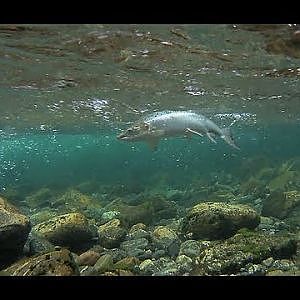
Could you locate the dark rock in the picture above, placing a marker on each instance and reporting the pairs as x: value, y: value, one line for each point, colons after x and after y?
x: 70, y: 230
x: 159, y: 253
x: 111, y: 234
x: 55, y: 263
x: 14, y: 230
x: 218, y: 220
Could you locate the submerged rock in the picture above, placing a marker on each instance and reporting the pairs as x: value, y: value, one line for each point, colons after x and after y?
x: 116, y: 254
x: 70, y: 230
x: 147, y: 212
x: 164, y: 266
x: 137, y: 248
x: 218, y: 220
x: 229, y: 256
x: 36, y: 244
x: 192, y: 248
x: 42, y: 216
x: 40, y: 198
x: 127, y: 263
x: 104, y: 263
x: 14, y: 230
x: 72, y: 201
x: 185, y: 264
x: 55, y: 263
x: 88, y: 258
x: 166, y: 239
x: 280, y: 204
x: 111, y: 234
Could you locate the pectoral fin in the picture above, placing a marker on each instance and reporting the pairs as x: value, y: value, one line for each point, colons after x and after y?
x: 188, y: 130
x: 153, y: 144
x: 211, y: 136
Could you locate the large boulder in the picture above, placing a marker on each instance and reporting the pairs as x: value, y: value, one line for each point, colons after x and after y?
x: 55, y: 263
x: 14, y: 230
x: 214, y: 220
x: 229, y: 256
x: 70, y: 230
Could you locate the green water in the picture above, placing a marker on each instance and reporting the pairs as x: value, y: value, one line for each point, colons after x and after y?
x: 66, y: 92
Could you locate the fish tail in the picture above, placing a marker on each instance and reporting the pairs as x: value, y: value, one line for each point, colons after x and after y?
x: 227, y: 136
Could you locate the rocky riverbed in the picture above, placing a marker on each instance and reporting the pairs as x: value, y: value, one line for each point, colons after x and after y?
x: 251, y: 228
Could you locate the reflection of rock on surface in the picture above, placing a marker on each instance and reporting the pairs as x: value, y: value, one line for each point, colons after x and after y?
x: 14, y: 230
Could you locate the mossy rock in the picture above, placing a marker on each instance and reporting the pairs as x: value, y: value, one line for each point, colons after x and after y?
x: 213, y: 220
x: 127, y: 263
x: 147, y: 212
x: 55, y: 263
x: 280, y: 204
x: 14, y: 230
x: 111, y: 234
x: 40, y: 198
x: 69, y: 230
x: 42, y: 216
x: 74, y: 200
x: 166, y: 239
x: 229, y: 256
x: 103, y: 264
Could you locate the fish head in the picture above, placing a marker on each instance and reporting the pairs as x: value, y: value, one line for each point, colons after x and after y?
x: 137, y: 132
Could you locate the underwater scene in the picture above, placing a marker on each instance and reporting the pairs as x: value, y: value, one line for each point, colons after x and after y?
x: 150, y: 150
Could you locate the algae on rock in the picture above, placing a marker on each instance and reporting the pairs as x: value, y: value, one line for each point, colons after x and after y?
x: 212, y: 220
x: 229, y: 256
x: 69, y: 230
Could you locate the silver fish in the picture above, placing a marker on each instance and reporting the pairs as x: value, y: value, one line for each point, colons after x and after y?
x: 160, y: 125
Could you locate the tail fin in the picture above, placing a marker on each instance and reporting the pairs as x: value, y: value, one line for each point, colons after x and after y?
x: 227, y: 136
